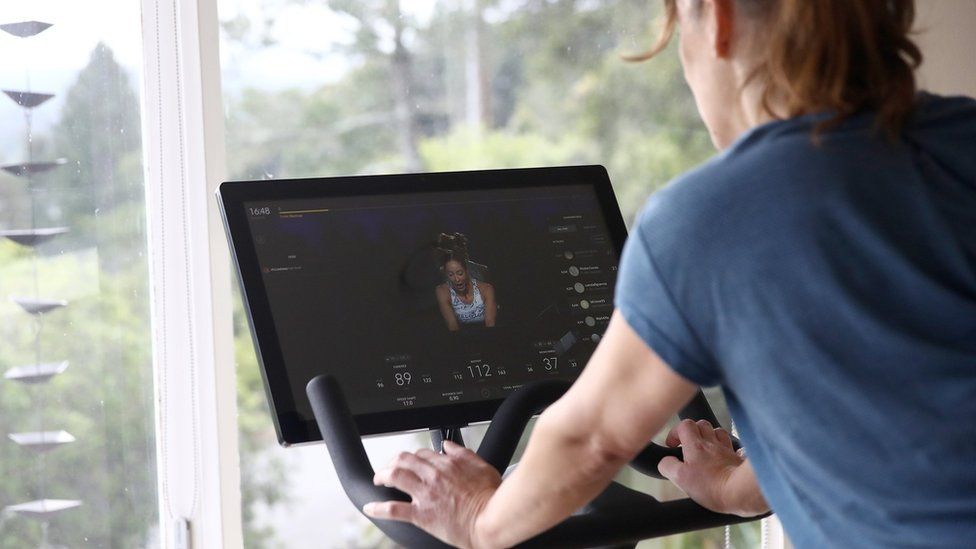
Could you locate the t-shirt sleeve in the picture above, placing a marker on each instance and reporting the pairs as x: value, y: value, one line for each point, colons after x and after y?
x: 644, y: 300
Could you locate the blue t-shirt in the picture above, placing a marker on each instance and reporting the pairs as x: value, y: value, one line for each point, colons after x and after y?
x: 831, y: 292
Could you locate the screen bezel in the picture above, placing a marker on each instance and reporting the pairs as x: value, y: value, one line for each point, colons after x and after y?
x: 291, y: 429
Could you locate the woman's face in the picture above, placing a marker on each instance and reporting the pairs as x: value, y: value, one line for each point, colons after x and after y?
x: 457, y: 275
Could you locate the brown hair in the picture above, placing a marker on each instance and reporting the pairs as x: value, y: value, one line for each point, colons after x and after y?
x: 841, y: 56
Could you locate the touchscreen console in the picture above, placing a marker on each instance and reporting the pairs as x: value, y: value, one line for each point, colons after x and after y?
x: 429, y: 297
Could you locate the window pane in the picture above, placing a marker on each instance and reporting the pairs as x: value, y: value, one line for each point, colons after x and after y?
x: 77, y: 457
x: 371, y: 86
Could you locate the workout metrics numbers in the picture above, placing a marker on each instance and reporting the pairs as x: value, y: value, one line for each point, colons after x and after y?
x: 583, y: 265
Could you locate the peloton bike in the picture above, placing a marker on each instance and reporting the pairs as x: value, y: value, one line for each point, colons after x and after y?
x: 350, y: 310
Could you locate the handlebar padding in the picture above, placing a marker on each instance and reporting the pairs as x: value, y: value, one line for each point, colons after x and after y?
x: 506, y: 428
x: 349, y: 458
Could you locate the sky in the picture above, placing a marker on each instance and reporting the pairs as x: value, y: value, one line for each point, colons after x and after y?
x: 298, y: 31
x: 49, y: 61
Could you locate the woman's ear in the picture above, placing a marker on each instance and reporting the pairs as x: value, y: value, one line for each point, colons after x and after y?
x: 722, y: 13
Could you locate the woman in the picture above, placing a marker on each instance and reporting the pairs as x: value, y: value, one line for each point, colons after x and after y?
x: 822, y: 270
x: 462, y: 299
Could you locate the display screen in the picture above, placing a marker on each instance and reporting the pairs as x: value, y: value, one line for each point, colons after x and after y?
x: 422, y: 300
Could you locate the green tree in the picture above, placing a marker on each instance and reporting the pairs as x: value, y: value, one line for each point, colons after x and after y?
x: 101, y: 190
x: 104, y: 398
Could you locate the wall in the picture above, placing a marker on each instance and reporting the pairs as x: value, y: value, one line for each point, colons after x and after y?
x: 947, y: 35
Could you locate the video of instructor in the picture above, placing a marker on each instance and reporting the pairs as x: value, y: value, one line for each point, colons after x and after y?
x: 431, y: 299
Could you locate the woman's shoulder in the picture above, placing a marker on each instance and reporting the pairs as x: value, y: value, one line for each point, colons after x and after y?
x: 741, y: 193
x: 938, y: 110
x: 774, y: 160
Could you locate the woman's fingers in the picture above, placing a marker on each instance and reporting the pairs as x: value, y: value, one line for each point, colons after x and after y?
x: 402, y: 479
x: 687, y: 435
x: 689, y: 432
x: 706, y: 429
x: 447, y: 491
x: 390, y: 510
x: 674, y: 438
x: 708, y: 463
x: 423, y: 468
x: 428, y: 455
x: 463, y: 456
x: 723, y: 437
x: 670, y: 468
x: 453, y: 449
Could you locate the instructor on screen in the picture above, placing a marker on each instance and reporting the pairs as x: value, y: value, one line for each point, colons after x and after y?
x: 462, y: 298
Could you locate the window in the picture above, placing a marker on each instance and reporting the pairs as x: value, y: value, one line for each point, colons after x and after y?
x: 315, y: 88
x: 78, y: 453
x: 371, y: 86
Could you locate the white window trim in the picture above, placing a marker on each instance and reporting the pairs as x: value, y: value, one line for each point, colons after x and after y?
x: 193, y: 352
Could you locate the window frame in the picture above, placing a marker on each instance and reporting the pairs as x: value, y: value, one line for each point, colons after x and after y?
x: 193, y: 350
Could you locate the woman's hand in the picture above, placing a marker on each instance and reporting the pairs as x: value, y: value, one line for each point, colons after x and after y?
x: 712, y: 473
x: 448, y: 492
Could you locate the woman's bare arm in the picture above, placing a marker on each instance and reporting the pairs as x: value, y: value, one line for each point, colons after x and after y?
x: 623, y: 398
x: 444, y: 304
x: 491, y: 308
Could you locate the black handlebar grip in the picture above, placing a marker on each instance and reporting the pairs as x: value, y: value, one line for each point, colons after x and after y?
x: 349, y: 458
x: 646, y: 461
x: 698, y: 408
x: 508, y: 423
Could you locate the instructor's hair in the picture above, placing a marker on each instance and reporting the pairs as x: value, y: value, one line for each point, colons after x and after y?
x: 841, y: 56
x: 452, y: 247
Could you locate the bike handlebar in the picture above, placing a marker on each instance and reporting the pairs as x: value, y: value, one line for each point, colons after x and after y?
x: 619, y: 515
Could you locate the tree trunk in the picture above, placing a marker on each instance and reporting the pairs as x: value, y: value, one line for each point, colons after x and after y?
x: 477, y: 92
x: 403, y: 104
